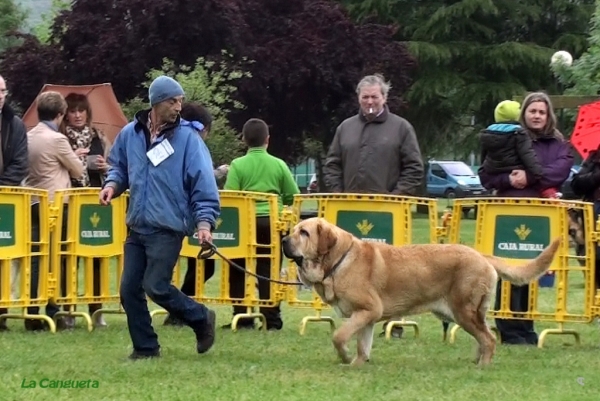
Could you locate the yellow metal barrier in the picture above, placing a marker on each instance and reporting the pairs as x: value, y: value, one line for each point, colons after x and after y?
x: 93, y: 232
x: 518, y: 229
x: 236, y: 238
x: 382, y: 218
x: 17, y: 247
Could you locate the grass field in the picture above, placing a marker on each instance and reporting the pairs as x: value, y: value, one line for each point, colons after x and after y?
x: 252, y: 365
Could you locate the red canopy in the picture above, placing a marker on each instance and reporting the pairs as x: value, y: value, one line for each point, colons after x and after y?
x: 106, y: 110
x: 586, y: 135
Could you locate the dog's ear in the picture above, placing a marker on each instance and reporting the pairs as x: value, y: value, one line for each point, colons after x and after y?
x: 327, y: 239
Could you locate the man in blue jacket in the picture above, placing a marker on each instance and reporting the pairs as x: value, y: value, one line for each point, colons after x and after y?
x: 168, y: 171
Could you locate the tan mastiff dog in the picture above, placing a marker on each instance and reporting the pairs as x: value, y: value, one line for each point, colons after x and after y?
x: 367, y: 282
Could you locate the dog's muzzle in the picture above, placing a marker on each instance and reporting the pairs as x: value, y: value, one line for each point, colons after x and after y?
x: 289, y: 253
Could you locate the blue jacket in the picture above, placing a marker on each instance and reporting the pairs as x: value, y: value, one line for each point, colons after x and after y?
x: 180, y: 194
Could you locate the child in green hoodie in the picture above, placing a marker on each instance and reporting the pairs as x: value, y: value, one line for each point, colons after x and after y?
x: 258, y: 171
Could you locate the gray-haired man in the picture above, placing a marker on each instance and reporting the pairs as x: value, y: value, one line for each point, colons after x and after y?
x: 374, y: 151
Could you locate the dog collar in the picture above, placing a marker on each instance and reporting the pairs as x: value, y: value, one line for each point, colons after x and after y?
x: 338, y: 263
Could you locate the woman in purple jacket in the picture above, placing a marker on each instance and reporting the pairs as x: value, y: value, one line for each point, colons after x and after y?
x: 556, y: 157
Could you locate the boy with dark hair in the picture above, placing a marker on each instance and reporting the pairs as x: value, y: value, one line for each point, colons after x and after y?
x: 506, y: 146
x: 259, y: 171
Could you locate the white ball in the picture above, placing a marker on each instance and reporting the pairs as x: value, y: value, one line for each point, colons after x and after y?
x: 562, y: 57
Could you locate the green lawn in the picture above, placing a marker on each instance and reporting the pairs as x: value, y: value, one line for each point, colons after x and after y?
x: 252, y: 365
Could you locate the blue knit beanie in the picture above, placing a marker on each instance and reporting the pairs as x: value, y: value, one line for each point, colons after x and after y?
x: 163, y: 88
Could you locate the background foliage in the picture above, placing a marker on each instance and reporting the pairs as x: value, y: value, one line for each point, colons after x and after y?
x: 449, y: 61
x: 210, y: 85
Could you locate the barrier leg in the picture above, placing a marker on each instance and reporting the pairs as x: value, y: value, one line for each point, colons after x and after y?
x: 561, y: 331
x: 400, y: 323
x: 456, y: 328
x: 106, y: 312
x: 25, y: 315
x: 152, y: 314
x: 317, y: 318
x: 250, y: 314
x: 74, y: 314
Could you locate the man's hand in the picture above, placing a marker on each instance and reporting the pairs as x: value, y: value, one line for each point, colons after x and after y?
x: 106, y: 195
x: 204, y: 235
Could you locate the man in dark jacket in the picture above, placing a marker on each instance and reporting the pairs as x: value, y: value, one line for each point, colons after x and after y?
x: 13, y: 151
x: 375, y: 151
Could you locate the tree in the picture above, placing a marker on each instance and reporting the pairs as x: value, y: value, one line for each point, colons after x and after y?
x: 12, y: 19
x: 307, y: 56
x: 42, y: 29
x: 583, y: 77
x: 473, y: 54
x: 210, y: 85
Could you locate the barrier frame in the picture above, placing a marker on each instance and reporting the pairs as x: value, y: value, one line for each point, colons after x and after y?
x: 22, y: 251
x: 401, y: 236
x: 245, y: 202
x: 72, y: 249
x: 560, y: 266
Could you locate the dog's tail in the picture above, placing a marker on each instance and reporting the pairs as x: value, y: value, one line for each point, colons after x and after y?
x: 520, y: 275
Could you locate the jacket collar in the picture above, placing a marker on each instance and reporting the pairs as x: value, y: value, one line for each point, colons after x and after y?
x: 379, y: 119
x: 141, y: 124
x: 7, y: 112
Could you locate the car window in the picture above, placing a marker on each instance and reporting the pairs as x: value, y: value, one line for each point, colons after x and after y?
x: 458, y: 169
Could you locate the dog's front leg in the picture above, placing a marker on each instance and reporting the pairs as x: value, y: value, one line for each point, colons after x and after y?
x: 364, y: 344
x: 357, y: 322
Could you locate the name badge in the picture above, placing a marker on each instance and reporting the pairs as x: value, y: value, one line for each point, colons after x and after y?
x: 160, y: 152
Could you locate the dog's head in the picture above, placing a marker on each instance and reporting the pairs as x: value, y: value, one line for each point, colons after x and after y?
x: 314, y: 244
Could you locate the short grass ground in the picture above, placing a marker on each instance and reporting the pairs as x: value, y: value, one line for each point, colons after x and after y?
x: 253, y: 365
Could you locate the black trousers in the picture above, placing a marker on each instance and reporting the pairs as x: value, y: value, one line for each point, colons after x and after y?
x: 96, y: 283
x: 516, y: 331
x: 189, y: 281
x: 237, y: 278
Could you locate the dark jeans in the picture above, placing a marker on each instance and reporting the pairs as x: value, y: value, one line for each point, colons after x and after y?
x: 237, y: 278
x: 51, y: 308
x: 189, y: 281
x: 149, y: 261
x: 516, y: 331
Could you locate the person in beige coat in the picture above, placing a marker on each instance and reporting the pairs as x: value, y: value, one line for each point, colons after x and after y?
x: 52, y: 164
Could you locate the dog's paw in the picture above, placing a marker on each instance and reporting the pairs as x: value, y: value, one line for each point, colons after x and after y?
x: 358, y: 362
x: 346, y: 360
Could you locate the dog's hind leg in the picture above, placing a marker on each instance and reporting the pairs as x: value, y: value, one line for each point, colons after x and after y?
x: 487, y: 346
x: 364, y: 343
x: 472, y: 319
